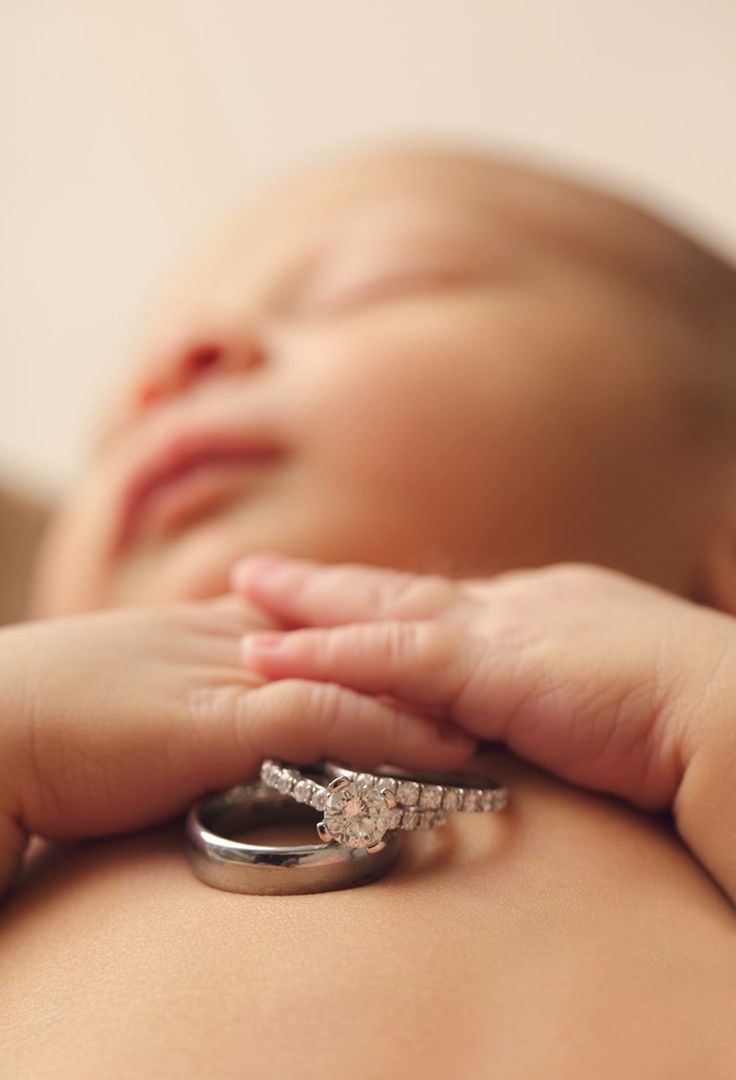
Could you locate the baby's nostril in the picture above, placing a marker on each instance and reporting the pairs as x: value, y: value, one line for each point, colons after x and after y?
x: 200, y: 358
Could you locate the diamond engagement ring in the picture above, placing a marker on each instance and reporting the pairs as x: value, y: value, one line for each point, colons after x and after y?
x: 360, y: 809
x: 221, y: 858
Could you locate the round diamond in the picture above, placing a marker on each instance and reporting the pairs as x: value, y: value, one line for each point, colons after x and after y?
x: 431, y: 797
x: 408, y: 793
x: 284, y: 781
x: 357, y: 815
x: 470, y: 799
x: 485, y: 802
x: 302, y: 791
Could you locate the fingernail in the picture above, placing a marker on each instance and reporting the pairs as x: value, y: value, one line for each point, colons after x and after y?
x: 254, y: 645
x: 255, y: 567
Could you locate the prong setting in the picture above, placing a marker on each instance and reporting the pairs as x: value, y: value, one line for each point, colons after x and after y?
x: 338, y: 784
x: 323, y: 832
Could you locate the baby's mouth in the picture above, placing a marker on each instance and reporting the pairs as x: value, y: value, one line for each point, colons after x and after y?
x: 189, y: 478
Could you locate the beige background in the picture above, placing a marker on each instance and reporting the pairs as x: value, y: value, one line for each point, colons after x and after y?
x: 127, y: 124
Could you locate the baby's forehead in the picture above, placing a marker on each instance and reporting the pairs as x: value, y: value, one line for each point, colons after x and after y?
x: 457, y: 210
x: 452, y: 199
x: 402, y: 191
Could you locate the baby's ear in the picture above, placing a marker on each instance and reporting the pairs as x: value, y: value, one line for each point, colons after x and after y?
x: 717, y: 576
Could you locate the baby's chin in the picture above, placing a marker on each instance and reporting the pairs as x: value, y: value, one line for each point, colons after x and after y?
x: 196, y: 570
x: 194, y: 563
x: 75, y: 574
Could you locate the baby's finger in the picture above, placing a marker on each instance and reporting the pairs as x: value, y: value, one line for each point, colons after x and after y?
x: 567, y: 710
x: 308, y: 721
x: 305, y: 593
x: 426, y: 663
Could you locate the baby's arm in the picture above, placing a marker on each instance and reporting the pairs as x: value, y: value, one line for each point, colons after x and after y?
x: 114, y: 721
x: 608, y: 682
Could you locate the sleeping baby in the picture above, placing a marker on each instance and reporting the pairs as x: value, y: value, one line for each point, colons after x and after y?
x: 427, y: 451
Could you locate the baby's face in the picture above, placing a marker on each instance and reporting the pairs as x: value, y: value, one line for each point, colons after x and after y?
x: 415, y: 360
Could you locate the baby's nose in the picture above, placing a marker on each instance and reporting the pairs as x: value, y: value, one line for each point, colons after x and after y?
x: 179, y: 367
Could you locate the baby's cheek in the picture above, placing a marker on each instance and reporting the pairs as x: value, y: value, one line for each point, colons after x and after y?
x: 389, y: 418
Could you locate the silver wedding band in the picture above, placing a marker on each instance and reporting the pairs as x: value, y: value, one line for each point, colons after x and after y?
x: 220, y: 859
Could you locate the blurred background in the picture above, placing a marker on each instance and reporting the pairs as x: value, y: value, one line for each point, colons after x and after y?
x: 127, y: 126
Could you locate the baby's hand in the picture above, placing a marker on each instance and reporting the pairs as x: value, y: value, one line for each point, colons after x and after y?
x: 608, y: 682
x: 113, y: 721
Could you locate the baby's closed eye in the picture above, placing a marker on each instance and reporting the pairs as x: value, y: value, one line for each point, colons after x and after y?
x: 375, y: 286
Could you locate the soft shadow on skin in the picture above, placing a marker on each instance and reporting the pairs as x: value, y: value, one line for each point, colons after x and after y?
x: 50, y: 868
x: 444, y: 850
x: 530, y: 786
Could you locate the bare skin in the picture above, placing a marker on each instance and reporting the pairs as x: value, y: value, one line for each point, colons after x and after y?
x: 572, y: 937
x: 540, y: 334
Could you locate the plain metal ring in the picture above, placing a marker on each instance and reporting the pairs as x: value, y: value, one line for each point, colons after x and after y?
x: 234, y: 865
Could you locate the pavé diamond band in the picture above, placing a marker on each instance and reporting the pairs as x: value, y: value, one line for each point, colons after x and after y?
x: 360, y: 809
x: 458, y: 791
x: 221, y: 859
